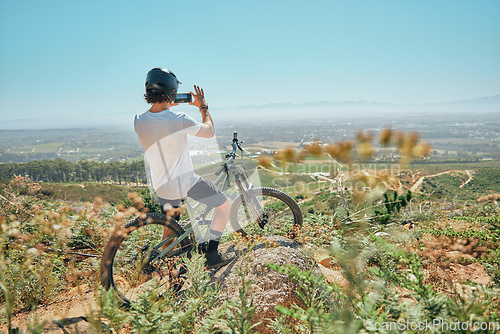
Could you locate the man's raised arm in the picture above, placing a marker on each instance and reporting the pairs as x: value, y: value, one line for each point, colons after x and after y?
x: 207, y: 129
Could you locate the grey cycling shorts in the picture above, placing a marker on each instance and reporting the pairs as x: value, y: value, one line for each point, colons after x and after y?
x: 203, y: 191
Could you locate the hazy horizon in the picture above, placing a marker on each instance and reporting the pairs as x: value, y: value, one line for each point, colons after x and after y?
x: 319, y: 110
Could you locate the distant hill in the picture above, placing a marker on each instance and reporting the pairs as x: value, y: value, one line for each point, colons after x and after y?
x: 315, y: 110
x: 492, y: 100
x: 330, y: 110
x: 480, y: 101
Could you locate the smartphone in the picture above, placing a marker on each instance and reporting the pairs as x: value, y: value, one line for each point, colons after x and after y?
x: 183, y: 98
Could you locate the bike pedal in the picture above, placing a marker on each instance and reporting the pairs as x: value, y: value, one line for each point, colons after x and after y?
x: 263, y: 221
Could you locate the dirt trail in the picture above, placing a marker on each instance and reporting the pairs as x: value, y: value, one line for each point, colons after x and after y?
x: 469, y: 174
x: 417, y: 184
x: 413, y: 188
x: 76, y: 303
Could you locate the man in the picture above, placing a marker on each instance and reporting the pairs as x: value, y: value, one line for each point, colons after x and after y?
x: 163, y: 135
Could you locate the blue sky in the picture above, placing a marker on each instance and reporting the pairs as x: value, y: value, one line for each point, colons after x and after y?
x: 69, y: 58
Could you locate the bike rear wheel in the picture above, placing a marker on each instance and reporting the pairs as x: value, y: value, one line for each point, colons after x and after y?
x: 128, y: 264
x: 281, y: 214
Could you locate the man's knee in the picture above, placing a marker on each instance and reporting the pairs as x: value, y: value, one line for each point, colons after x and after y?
x: 224, y: 206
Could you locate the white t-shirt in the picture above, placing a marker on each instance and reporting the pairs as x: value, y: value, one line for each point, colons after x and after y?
x: 164, y: 138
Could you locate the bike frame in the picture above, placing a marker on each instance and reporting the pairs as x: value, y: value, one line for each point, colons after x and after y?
x: 226, y: 172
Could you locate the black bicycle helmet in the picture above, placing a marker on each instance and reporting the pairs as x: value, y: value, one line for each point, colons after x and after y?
x: 163, y: 80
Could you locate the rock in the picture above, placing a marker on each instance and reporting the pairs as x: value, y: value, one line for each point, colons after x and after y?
x: 333, y: 276
x: 474, y: 272
x: 270, y: 288
x: 322, y: 258
x: 404, y: 293
x: 456, y: 255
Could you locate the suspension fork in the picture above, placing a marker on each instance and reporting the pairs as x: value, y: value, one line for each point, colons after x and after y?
x: 252, y: 202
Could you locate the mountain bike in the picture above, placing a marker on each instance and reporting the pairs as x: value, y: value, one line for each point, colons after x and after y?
x: 136, y: 257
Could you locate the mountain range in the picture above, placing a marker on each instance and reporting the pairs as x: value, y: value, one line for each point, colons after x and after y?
x: 316, y: 110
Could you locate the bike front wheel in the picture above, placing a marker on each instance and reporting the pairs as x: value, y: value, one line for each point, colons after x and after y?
x: 130, y: 265
x: 279, y: 215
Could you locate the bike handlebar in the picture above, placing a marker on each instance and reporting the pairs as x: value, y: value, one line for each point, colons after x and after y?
x: 236, y: 145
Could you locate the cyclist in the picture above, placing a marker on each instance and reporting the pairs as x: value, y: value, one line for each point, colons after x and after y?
x: 163, y: 135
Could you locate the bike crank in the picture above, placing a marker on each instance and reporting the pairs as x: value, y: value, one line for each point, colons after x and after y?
x: 264, y: 220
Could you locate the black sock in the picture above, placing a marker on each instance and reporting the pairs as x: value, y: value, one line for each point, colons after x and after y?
x: 213, y: 244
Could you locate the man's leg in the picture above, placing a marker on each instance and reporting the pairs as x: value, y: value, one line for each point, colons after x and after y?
x: 218, y: 225
x: 206, y: 192
x: 170, y: 209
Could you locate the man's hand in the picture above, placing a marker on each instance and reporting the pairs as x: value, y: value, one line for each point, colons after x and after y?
x: 198, y: 98
x: 207, y: 129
